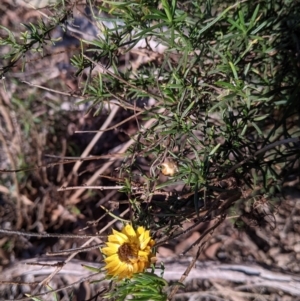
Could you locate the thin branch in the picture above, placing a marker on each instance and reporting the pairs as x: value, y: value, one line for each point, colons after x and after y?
x: 78, y: 250
x: 92, y: 144
x: 48, y: 279
x: 30, y: 234
x: 91, y: 187
x: 75, y: 197
x: 106, y: 71
x: 193, y: 262
x: 263, y: 150
x: 114, y: 156
x: 19, y: 216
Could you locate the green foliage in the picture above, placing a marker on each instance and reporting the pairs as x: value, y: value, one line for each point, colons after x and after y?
x: 227, y: 86
x: 32, y: 40
x: 141, y: 287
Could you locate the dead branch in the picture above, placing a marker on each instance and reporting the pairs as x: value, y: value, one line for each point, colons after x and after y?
x: 244, y: 276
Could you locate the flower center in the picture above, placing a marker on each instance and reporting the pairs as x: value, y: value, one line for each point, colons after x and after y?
x: 127, y: 253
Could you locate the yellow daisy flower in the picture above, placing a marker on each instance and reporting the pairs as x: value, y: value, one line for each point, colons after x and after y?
x: 128, y: 252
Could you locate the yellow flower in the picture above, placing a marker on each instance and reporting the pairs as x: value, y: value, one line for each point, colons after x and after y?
x: 128, y: 252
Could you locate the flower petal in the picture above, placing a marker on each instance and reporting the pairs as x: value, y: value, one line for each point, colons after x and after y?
x: 111, y: 249
x: 112, y: 258
x: 140, y: 230
x: 112, y: 266
x: 123, y: 268
x: 143, y: 254
x: 117, y: 237
x: 144, y: 243
x: 129, y: 231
